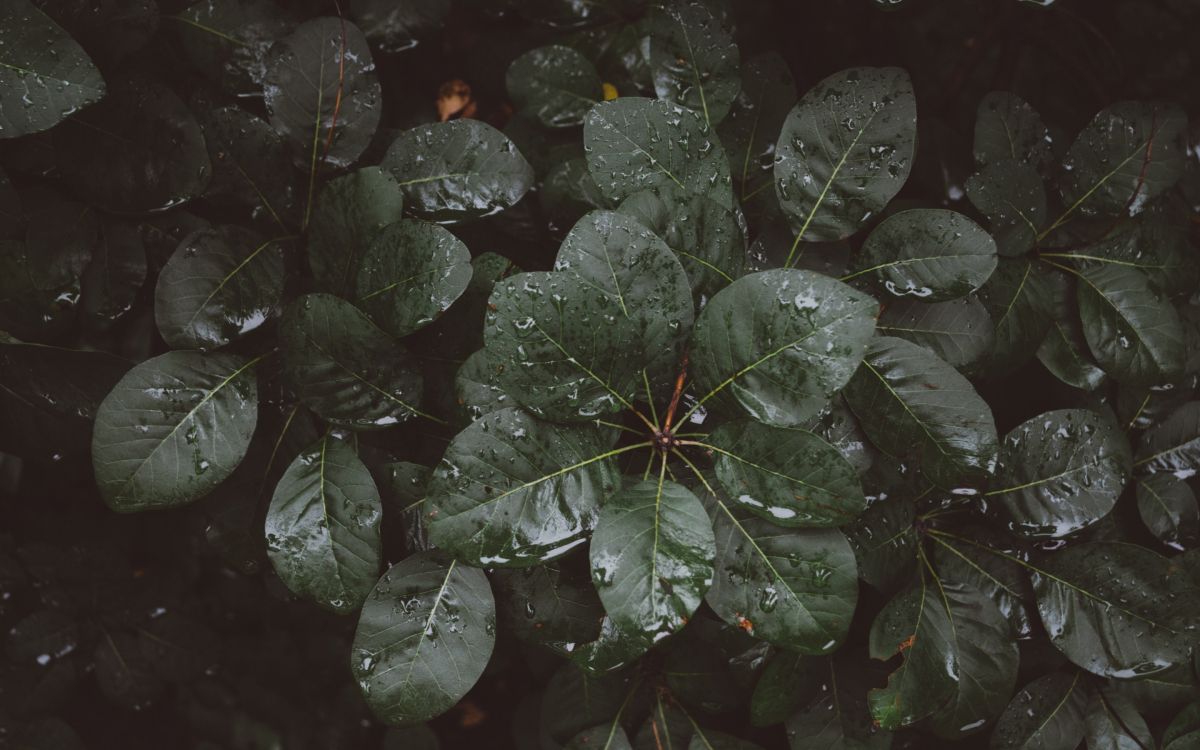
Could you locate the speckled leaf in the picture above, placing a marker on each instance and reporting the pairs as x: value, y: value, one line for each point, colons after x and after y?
x: 173, y: 428
x: 556, y: 85
x: 789, y: 477
x: 424, y: 636
x: 959, y: 331
x: 323, y: 66
x: 574, y: 342
x: 344, y: 368
x: 1011, y: 195
x: 1129, y: 154
x: 1173, y: 445
x: 912, y: 404
x: 349, y: 211
x: 1007, y: 128
x: 515, y: 491
x: 219, y: 285
x: 693, y: 59
x: 845, y: 151
x: 838, y: 717
x: 1131, y: 328
x: 1112, y: 609
x: 1112, y: 723
x: 458, y: 170
x: 635, y: 144
x: 751, y: 128
x: 322, y: 526
x: 1020, y: 302
x: 652, y: 557
x: 45, y: 76
x: 1060, y: 472
x: 776, y: 345
x: 1047, y: 714
x: 411, y: 273
x: 793, y: 588
x: 1168, y: 507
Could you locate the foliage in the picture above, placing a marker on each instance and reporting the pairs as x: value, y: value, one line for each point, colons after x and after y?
x: 668, y: 403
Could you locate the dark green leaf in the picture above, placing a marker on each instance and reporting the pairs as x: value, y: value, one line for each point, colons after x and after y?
x: 1047, y: 714
x: 752, y: 127
x: 693, y: 59
x: 1000, y: 578
x: 1173, y: 445
x: 1183, y: 733
x: 795, y: 589
x: 228, y: 40
x: 575, y: 700
x: 252, y: 164
x: 1168, y: 507
x: 411, y: 273
x: 476, y: 388
x: 323, y: 66
x: 845, y: 151
x: 958, y: 331
x: 787, y: 682
x: 124, y: 674
x: 838, y: 717
x: 344, y: 368
x: 1008, y: 129
x: 114, y: 277
x: 549, y: 603
x: 778, y: 344
x: 652, y: 557
x: 514, y: 491
x: 884, y: 541
x: 173, y: 428
x: 322, y: 527
x: 554, y: 84
x: 45, y: 76
x: 930, y: 253
x: 1064, y: 351
x: 458, y: 170
x: 398, y: 26
x: 1020, y: 302
x: 350, y: 211
x: 912, y: 404
x: 1010, y: 193
x: 1060, y: 472
x: 424, y: 636
x: 788, y: 477
x: 708, y: 739
x: 219, y: 285
x: 1132, y: 330
x: 1111, y: 723
x: 603, y: 737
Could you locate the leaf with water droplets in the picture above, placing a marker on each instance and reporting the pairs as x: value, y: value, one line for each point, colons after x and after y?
x: 555, y: 85
x: 693, y: 59
x: 476, y: 387
x: 344, y: 368
x: 912, y: 404
x: 959, y: 331
x: 776, y: 345
x: 652, y: 557
x: 514, y: 491
x: 1168, y: 507
x: 550, y: 603
x: 1060, y: 472
x: 751, y: 128
x: 350, y: 211
x: 396, y: 26
x: 1047, y: 713
x: 173, y: 428
x: 219, y: 285
x: 1013, y: 198
x: 845, y: 151
x: 45, y: 75
x: 458, y: 170
x: 884, y: 539
x: 1008, y: 129
x: 424, y: 636
x: 252, y: 165
x: 929, y: 253
x: 1173, y: 445
x: 1000, y: 578
x: 322, y: 526
x: 228, y: 40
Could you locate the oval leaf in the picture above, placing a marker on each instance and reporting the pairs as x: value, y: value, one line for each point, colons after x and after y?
x: 959, y: 331
x: 1132, y: 330
x: 1047, y: 713
x: 556, y: 85
x: 694, y: 61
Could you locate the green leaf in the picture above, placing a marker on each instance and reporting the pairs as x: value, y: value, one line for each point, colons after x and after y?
x: 912, y: 404
x: 228, y: 40
x: 1129, y: 154
x: 344, y: 368
x: 612, y: 650
x: 350, y: 211
x: 554, y: 84
x: 788, y: 477
x: 751, y: 128
x: 1060, y: 472
x: 138, y: 150
x: 603, y: 737
x: 1132, y: 330
x: 476, y: 388
x: 787, y: 682
x: 323, y: 66
x: 411, y: 273
x: 795, y: 589
x: 845, y: 151
x: 219, y: 285
x: 252, y: 164
x: 999, y: 577
x: 958, y: 331
x: 1111, y: 723
x: 693, y: 59
x: 1008, y: 129
x: 425, y: 634
x: 173, y: 428
x: 1168, y: 507
x: 514, y: 491
x: 399, y: 26
x: 930, y: 253
x: 458, y: 170
x: 553, y: 602
x: 652, y: 557
x: 885, y: 540
x: 1064, y: 351
x: 635, y: 144
x: 1020, y: 301
x: 45, y: 76
x: 1110, y: 608
x: 776, y: 345
x: 574, y: 343
x: 707, y: 739
x: 838, y: 716
x: 1173, y: 445
x: 575, y: 700
x: 1047, y: 713
x: 322, y: 527
x: 113, y: 279
x: 1011, y: 195
x: 1183, y: 733
x: 124, y: 675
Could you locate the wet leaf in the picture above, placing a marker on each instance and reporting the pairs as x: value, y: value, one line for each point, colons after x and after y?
x: 959, y: 331
x: 350, y: 211
x: 788, y: 681
x: 1047, y: 713
x: 885, y: 541
x: 838, y: 716
x: 110, y: 285
x: 693, y: 59
x: 1173, y: 445
x: 1020, y: 301
x: 252, y: 165
x: 1064, y: 350
x: 1167, y: 506
x: 1008, y: 129
x: 398, y: 26
x: 1010, y: 193
x: 1111, y: 723
x: 553, y: 602
x: 555, y: 85
x: 228, y: 40
x: 476, y: 388
x: 751, y: 128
